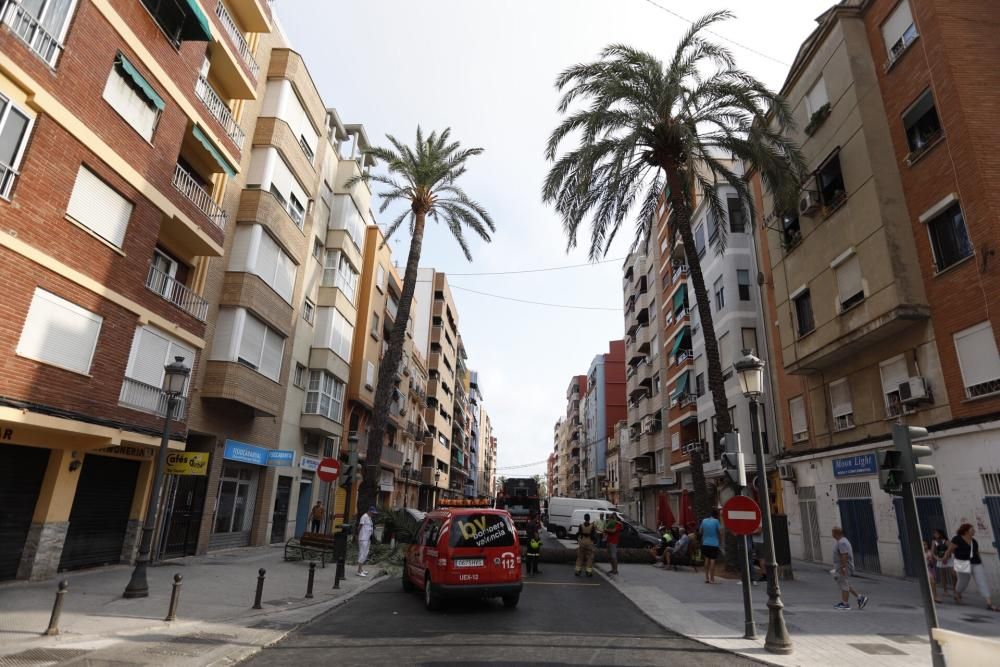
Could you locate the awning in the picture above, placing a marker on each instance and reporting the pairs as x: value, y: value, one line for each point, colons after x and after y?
x: 682, y: 385
x: 679, y: 297
x: 678, y: 341
x: 210, y: 147
x: 129, y: 70
x: 195, y: 28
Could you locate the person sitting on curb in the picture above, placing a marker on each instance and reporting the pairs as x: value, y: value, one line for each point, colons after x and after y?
x: 677, y: 554
x: 659, y: 551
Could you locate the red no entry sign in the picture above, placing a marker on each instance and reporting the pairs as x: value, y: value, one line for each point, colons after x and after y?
x: 741, y: 515
x: 328, y: 469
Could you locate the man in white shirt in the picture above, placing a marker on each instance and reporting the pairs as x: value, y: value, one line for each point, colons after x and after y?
x: 365, y: 530
x: 843, y: 562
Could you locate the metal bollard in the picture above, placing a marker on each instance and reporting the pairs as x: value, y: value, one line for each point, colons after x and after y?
x: 175, y: 597
x: 53, y: 628
x: 312, y: 575
x: 260, y: 588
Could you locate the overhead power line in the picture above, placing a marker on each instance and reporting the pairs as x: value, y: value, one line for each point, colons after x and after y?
x: 523, y: 465
x: 551, y: 268
x: 534, y: 303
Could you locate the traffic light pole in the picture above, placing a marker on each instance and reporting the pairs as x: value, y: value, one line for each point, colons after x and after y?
x: 917, y: 556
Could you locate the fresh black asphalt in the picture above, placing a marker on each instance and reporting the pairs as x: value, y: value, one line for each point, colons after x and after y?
x: 561, y: 620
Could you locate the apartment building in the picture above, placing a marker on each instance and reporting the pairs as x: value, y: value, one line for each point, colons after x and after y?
x: 413, y: 437
x: 576, y: 439
x: 460, y: 480
x: 475, y: 447
x: 122, y: 161
x: 613, y: 462
x: 560, y: 450
x: 488, y: 459
x: 603, y: 407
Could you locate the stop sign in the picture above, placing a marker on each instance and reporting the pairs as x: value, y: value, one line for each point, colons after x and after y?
x: 328, y: 470
x: 741, y: 515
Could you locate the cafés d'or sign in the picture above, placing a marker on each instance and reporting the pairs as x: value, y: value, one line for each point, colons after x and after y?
x: 187, y: 463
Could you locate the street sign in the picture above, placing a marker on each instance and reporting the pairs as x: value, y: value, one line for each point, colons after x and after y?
x: 741, y: 515
x: 328, y: 470
x: 187, y: 463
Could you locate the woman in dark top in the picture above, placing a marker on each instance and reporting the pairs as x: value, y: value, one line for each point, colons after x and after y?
x: 968, y: 564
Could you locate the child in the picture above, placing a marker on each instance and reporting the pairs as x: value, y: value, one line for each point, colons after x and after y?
x: 945, y: 567
x: 930, y: 558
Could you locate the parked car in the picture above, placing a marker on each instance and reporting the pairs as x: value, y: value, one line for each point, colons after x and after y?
x: 560, y: 512
x: 465, y: 552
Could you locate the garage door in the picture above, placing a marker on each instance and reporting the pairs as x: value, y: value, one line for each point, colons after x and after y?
x: 99, y: 518
x: 21, y: 472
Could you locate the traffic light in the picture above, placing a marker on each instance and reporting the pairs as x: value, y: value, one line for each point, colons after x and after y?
x: 732, y: 460
x: 890, y: 474
x: 902, y: 440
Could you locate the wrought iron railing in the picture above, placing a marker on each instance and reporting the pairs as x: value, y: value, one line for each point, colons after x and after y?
x: 238, y: 39
x: 176, y: 293
x: 220, y: 112
x: 197, y: 195
x: 26, y: 26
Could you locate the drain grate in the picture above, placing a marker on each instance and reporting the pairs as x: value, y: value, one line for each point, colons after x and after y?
x: 38, y: 657
x: 906, y: 639
x: 878, y: 649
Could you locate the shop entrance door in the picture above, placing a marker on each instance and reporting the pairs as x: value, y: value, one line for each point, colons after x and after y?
x: 22, y: 470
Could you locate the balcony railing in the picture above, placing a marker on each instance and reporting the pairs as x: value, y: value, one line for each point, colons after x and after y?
x: 147, y: 398
x: 23, y: 24
x: 176, y: 293
x: 196, y: 194
x: 7, y: 177
x: 219, y: 111
x: 234, y: 33
x: 683, y: 355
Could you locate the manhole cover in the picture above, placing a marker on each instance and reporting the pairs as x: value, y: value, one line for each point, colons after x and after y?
x: 36, y: 657
x: 906, y: 639
x: 878, y: 649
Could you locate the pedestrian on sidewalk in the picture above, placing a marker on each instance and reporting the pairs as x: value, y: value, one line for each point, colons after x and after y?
x: 931, y: 561
x: 612, y: 530
x: 945, y: 566
x: 585, y: 547
x: 366, y: 528
x: 317, y: 516
x: 843, y: 562
x: 711, y: 543
x: 968, y: 564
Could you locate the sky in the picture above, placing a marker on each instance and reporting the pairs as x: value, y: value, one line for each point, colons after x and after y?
x: 486, y: 70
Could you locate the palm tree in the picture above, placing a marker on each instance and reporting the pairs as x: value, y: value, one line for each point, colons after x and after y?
x: 649, y: 130
x: 422, y: 176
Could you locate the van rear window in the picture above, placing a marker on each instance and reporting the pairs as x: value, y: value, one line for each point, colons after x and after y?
x: 482, y: 530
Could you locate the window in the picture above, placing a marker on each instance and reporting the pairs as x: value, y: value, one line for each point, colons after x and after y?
x: 41, y: 24
x: 380, y: 277
x: 830, y: 182
x: 482, y: 530
x: 675, y: 441
x: 99, y: 208
x: 661, y: 460
x: 654, y: 346
x: 375, y: 323
x: 14, y: 127
x: 699, y: 384
x: 894, y: 373
x: 800, y: 427
x: 269, y: 171
x: 743, y: 284
x: 979, y: 360
x: 802, y: 304
x: 299, y: 376
x: 334, y: 332
x: 255, y: 251
x: 656, y: 384
x: 949, y: 237
x: 308, y: 311
x: 749, y: 336
x: 713, y: 226
x: 296, y: 210
x: 152, y: 350
x: 59, y: 333
x: 725, y: 351
x: 849, y: 285
x: 898, y: 31
x: 703, y: 430
x: 133, y: 98
x: 346, y: 216
x: 720, y: 295
x: 699, y: 240
x: 317, y: 251
x: 369, y: 375
x: 791, y: 231
x: 338, y: 272
x: 325, y: 396
x: 242, y: 338
x: 737, y: 216
x: 840, y: 404
x: 921, y: 124
x: 817, y: 97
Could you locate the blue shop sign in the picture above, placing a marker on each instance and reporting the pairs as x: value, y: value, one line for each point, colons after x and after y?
x: 244, y: 453
x: 862, y: 464
x: 280, y: 457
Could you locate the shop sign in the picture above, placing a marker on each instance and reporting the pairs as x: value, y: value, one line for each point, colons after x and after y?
x: 280, y: 457
x: 310, y: 463
x: 187, y: 463
x: 243, y: 453
x: 130, y: 451
x: 862, y: 464
x: 6, y: 434
x: 386, y: 482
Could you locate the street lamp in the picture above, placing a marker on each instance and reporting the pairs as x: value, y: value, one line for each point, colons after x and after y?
x: 642, y: 519
x: 175, y: 377
x: 750, y: 370
x: 406, y: 479
x: 437, y: 480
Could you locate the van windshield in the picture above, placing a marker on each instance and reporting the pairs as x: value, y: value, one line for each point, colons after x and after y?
x: 482, y: 530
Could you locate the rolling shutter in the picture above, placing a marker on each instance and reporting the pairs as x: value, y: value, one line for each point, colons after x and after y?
x: 893, y: 374
x: 897, y: 24
x: 152, y: 350
x: 274, y: 346
x: 99, y: 208
x: 284, y: 277
x: 977, y: 354
x: 59, y: 332
x: 849, y: 278
x: 797, y: 408
x: 222, y: 342
x: 840, y: 398
x: 252, y: 341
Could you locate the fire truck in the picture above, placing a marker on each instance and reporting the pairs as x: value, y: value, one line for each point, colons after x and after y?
x: 519, y: 496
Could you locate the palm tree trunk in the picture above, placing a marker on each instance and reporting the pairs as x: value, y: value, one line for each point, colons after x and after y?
x: 388, y: 368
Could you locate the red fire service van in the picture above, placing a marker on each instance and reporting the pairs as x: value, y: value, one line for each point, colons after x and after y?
x: 465, y: 552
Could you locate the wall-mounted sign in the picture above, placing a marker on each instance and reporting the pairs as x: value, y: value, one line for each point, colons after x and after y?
x: 243, y: 453
x: 187, y: 463
x: 862, y: 464
x: 129, y: 451
x: 309, y: 463
x: 280, y: 457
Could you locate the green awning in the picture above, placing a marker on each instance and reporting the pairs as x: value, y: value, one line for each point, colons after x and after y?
x: 129, y: 70
x: 196, y: 27
x: 682, y: 385
x: 210, y: 147
x: 679, y: 297
x: 678, y: 341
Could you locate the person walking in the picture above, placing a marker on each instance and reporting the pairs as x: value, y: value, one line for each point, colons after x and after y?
x: 317, y: 516
x: 612, y: 531
x: 931, y: 561
x: 711, y: 543
x: 843, y: 561
x: 945, y: 566
x: 366, y: 528
x: 968, y: 565
x: 585, y: 547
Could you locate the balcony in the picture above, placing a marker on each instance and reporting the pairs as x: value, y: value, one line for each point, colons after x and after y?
x: 219, y: 111
x: 231, y: 381
x: 147, y: 398
x: 240, y: 42
x: 187, y: 186
x: 31, y: 32
x: 314, y: 422
x: 391, y: 458
x: 176, y: 293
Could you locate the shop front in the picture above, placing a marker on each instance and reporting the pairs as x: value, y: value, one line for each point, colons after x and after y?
x: 242, y: 468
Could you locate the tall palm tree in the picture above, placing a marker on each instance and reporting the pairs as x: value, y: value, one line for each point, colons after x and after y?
x: 649, y: 129
x: 423, y: 177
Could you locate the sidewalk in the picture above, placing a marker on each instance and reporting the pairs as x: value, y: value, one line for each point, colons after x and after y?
x: 889, y: 632
x: 215, y: 623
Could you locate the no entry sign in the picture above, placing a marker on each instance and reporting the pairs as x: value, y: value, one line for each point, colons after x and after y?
x: 328, y: 469
x: 741, y: 515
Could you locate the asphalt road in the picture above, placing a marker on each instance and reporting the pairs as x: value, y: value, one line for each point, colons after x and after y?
x: 561, y: 620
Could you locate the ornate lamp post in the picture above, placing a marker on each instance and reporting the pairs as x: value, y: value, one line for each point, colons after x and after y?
x: 437, y: 480
x: 406, y: 479
x: 174, y: 379
x: 750, y: 370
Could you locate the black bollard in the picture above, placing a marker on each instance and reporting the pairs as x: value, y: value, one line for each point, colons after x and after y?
x: 175, y: 597
x: 260, y: 588
x: 312, y: 575
x: 53, y: 628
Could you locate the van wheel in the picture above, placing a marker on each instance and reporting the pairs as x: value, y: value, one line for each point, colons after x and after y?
x: 510, y: 601
x: 431, y: 600
x: 408, y: 586
x: 560, y: 532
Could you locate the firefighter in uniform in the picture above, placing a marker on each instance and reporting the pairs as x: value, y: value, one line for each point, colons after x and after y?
x: 585, y: 546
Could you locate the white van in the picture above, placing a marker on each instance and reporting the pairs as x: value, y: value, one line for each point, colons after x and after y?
x: 561, y: 512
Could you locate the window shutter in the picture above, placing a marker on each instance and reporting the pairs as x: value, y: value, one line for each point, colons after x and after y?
x: 893, y: 373
x: 266, y: 262
x: 149, y: 355
x: 240, y: 257
x: 284, y: 280
x: 897, y: 24
x: 99, y: 208
x: 370, y: 374
x: 725, y: 351
x: 252, y: 340
x: 325, y: 327
x: 59, y: 332
x: 797, y: 408
x: 849, y: 278
x: 274, y: 347
x: 816, y: 97
x: 223, y: 338
x: 840, y: 398
x: 977, y: 354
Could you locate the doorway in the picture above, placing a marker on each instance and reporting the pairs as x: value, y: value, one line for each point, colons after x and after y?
x: 930, y: 516
x: 234, y: 506
x: 185, y: 504
x: 99, y: 517
x: 302, y: 514
x: 811, y: 549
x: 279, y: 518
x: 857, y: 518
x: 22, y: 470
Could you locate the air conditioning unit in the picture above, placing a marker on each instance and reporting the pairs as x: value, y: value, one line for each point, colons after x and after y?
x: 915, y: 390
x: 808, y: 202
x: 786, y: 471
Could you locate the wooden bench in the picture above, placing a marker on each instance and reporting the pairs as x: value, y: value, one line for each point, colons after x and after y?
x: 311, y: 546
